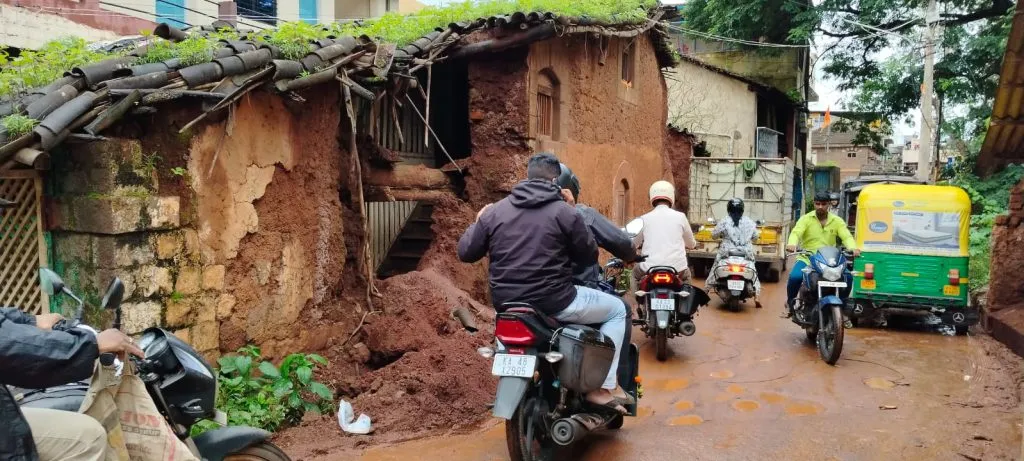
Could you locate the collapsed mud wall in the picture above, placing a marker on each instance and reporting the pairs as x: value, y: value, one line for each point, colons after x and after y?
x: 679, y: 156
x: 1005, y: 307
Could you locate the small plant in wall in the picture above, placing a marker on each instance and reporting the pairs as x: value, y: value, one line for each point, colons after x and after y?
x: 178, y: 171
x: 18, y: 125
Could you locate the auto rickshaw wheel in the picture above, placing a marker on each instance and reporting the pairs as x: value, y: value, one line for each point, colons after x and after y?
x: 961, y: 330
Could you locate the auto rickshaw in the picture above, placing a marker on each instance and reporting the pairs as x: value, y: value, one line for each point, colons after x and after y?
x: 914, y: 253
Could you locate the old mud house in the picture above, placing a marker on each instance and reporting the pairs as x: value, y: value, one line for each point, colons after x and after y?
x: 259, y: 222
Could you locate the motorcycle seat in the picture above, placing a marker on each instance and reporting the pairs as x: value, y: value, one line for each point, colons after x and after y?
x: 740, y: 253
x: 525, y: 308
x: 661, y: 269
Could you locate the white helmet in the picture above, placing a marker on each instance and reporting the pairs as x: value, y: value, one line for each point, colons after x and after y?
x: 663, y: 190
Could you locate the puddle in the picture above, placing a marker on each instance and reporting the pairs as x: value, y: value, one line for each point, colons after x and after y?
x: 684, y: 405
x: 722, y: 374
x: 879, y: 383
x: 643, y: 412
x: 688, y: 420
x: 734, y: 389
x: 804, y: 409
x: 772, y: 398
x: 746, y: 405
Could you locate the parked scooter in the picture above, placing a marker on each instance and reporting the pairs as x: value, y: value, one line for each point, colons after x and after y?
x: 819, y: 306
x: 180, y: 381
x: 545, y: 369
x: 667, y: 304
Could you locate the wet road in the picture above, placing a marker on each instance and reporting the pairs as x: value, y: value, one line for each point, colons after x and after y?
x: 747, y: 386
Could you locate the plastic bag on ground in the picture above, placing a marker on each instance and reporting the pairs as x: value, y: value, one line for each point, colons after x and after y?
x: 346, y: 414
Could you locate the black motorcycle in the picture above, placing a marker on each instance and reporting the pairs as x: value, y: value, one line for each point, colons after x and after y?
x: 180, y: 381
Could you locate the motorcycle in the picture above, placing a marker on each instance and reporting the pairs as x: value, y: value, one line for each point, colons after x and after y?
x: 179, y: 380
x: 545, y: 369
x: 734, y: 279
x: 819, y: 306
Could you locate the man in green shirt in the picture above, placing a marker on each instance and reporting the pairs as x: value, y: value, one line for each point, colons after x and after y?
x: 814, y: 230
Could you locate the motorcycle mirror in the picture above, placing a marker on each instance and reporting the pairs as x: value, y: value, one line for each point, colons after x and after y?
x: 635, y: 226
x: 114, y: 295
x: 50, y: 281
x: 760, y: 222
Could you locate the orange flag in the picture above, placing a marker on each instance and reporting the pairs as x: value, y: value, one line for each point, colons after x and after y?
x: 828, y: 118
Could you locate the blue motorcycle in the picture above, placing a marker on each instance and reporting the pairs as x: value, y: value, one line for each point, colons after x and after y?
x: 819, y: 306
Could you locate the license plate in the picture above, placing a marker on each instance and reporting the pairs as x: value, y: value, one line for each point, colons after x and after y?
x: 951, y: 290
x: 658, y: 304
x: 736, y: 284
x: 832, y: 284
x: 521, y: 366
x: 867, y: 284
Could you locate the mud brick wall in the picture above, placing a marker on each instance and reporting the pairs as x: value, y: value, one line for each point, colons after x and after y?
x: 1004, y: 312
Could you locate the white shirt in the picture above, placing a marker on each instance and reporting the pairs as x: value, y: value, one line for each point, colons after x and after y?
x: 665, y: 238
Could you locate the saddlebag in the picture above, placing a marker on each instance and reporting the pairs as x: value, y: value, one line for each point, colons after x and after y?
x: 588, y: 357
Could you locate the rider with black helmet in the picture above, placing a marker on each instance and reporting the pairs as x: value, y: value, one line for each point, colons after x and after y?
x: 737, y: 232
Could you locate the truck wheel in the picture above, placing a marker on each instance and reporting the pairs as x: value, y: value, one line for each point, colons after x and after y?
x: 772, y: 276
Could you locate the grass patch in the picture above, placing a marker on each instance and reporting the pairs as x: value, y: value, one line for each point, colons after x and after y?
x: 17, y: 125
x: 32, y: 69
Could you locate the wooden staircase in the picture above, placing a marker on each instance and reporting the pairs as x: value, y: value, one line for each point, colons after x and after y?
x: 412, y: 242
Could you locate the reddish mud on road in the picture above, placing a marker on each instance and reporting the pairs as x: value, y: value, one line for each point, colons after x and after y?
x: 747, y: 386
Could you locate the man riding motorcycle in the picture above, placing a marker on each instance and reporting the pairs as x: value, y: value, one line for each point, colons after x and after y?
x: 33, y: 355
x: 533, y: 238
x: 738, y: 233
x: 814, y: 230
x: 666, y: 235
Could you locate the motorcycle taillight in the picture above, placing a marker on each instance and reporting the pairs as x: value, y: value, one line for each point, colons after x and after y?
x: 736, y: 268
x: 664, y: 278
x: 513, y: 332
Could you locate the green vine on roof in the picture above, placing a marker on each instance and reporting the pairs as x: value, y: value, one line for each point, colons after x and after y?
x: 17, y: 125
x: 32, y: 69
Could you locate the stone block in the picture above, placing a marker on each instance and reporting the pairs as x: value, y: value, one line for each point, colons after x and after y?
x: 225, y: 306
x: 261, y: 272
x: 183, y: 334
x: 117, y: 214
x: 122, y: 251
x: 191, y: 242
x: 168, y: 245
x: 179, y: 312
x: 71, y: 246
x: 136, y: 317
x: 189, y: 280
x: 154, y: 280
x: 207, y: 307
x: 206, y: 336
x: 213, y: 278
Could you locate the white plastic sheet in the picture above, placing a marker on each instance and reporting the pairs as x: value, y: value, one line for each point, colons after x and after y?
x: 346, y: 414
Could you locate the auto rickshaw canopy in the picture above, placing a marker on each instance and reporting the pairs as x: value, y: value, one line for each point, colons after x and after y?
x: 913, y: 219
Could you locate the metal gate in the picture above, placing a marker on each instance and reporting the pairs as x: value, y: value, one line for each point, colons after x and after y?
x: 22, y: 247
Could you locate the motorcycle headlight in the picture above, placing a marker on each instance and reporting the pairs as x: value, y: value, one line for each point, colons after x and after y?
x: 831, y: 273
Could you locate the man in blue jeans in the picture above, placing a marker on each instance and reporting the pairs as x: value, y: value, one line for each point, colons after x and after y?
x: 814, y: 230
x: 533, y: 238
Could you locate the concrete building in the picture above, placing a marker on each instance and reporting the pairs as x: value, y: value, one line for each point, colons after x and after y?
x: 733, y: 115
x: 31, y: 23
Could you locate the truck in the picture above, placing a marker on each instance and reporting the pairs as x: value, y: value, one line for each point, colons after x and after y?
x: 766, y: 187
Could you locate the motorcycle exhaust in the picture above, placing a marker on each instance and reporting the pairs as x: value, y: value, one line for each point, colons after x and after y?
x: 687, y: 328
x: 567, y: 431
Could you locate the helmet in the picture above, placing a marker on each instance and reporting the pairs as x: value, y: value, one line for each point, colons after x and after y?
x: 822, y: 196
x: 735, y: 206
x: 567, y: 180
x: 663, y: 190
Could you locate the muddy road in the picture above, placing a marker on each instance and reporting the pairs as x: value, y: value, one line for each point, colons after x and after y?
x: 748, y: 386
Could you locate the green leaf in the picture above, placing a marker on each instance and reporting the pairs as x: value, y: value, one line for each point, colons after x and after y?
x: 269, y: 370
x: 317, y: 358
x: 305, y: 375
x: 295, y: 401
x: 282, y: 388
x: 321, y: 391
x: 244, y: 365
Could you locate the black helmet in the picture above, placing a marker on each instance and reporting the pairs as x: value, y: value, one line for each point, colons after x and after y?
x: 823, y: 196
x: 568, y: 180
x: 735, y: 206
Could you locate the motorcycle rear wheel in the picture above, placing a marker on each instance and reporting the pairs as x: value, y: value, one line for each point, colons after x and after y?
x: 263, y: 451
x: 525, y: 441
x: 830, y: 339
x: 661, y: 344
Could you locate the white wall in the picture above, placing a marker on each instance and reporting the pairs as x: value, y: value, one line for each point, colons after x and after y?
x: 704, y: 101
x: 22, y: 28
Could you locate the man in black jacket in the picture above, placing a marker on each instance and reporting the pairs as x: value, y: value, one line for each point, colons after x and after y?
x: 34, y: 356
x: 534, y: 238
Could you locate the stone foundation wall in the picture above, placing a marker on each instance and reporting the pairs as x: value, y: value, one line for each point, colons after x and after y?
x: 1004, y: 311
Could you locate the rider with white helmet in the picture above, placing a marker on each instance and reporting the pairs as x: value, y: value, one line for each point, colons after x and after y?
x: 666, y: 234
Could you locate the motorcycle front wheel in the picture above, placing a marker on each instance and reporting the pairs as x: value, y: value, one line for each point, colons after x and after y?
x: 830, y: 337
x: 263, y: 451
x: 527, y: 440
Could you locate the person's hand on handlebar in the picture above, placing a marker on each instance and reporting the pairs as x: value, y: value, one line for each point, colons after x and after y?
x: 856, y: 252
x: 47, y: 321
x: 791, y: 248
x: 113, y: 340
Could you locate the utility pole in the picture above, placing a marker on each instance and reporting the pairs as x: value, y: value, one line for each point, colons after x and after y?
x: 927, y: 123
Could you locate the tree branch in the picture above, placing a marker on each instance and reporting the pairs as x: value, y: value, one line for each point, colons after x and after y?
x: 998, y: 8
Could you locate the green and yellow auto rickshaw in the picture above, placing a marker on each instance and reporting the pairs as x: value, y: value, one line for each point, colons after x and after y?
x: 914, y: 253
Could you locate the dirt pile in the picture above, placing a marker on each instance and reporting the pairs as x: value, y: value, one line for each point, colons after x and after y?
x: 413, y: 368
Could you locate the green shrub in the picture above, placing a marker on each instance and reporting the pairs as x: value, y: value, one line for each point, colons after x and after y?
x: 17, y: 125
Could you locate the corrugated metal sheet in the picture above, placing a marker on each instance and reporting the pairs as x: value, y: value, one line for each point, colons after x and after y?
x: 1004, y: 142
x: 386, y: 220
